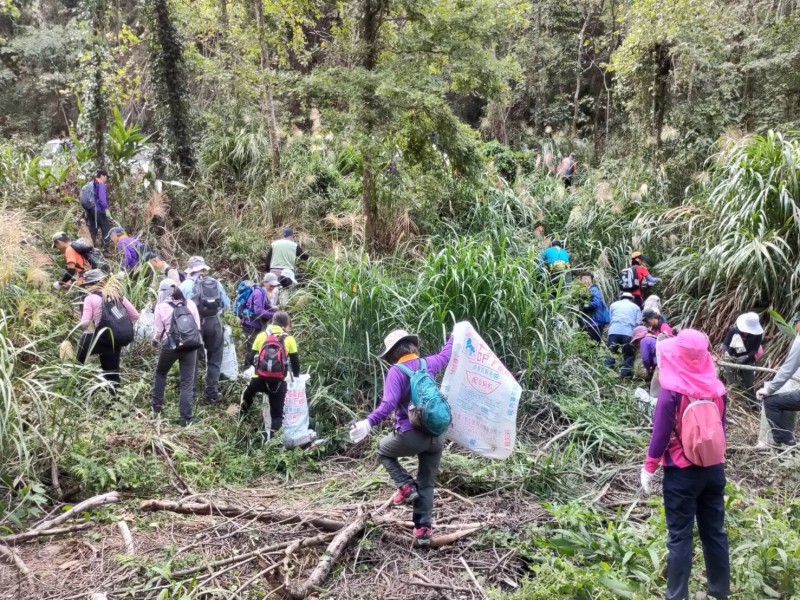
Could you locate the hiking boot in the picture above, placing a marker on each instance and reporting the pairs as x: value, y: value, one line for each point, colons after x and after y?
x: 184, y: 422
x: 408, y: 493
x: 422, y: 536
x: 157, y: 410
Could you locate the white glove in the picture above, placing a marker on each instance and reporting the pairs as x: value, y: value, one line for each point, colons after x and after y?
x: 121, y: 275
x: 762, y: 393
x: 248, y: 373
x: 647, y: 482
x: 57, y: 285
x: 359, y: 431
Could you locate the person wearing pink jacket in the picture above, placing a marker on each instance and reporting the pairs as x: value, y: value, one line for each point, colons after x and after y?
x: 691, y: 492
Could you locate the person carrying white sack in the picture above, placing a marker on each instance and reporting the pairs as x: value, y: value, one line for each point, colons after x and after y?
x: 402, y: 353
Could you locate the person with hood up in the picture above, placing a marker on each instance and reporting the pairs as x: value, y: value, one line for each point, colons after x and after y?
x: 742, y: 345
x: 402, y: 347
x: 170, y: 298
x: 691, y: 491
x: 776, y: 403
x: 625, y: 315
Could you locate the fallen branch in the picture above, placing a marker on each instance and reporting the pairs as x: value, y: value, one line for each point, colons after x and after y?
x: 308, y: 542
x: 11, y: 540
x: 564, y: 433
x: 474, y: 579
x: 260, y: 513
x: 89, y: 504
x: 126, y: 537
x: 333, y: 552
x: 438, y: 586
x: 15, y: 560
x: 436, y: 542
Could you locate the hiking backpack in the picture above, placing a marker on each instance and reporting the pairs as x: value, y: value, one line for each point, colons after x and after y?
x: 115, y: 327
x: 184, y: 335
x: 92, y: 255
x: 207, y: 296
x: 86, y: 197
x: 428, y: 411
x: 628, y: 279
x: 243, y: 305
x: 273, y: 361
x: 701, y: 432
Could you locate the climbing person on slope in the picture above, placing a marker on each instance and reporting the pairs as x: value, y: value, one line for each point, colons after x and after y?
x: 129, y: 248
x: 284, y: 253
x: 655, y: 322
x: 777, y: 403
x: 275, y: 356
x: 259, y: 308
x: 75, y: 264
x: 107, y: 321
x: 180, y: 345
x: 595, y: 311
x: 402, y: 353
x: 625, y: 316
x: 742, y: 345
x: 211, y: 300
x: 556, y: 260
x: 567, y: 168
x: 634, y: 278
x: 688, y: 440
x: 646, y: 341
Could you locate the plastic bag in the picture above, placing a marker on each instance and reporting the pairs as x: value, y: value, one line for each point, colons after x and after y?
x: 295, y: 414
x: 483, y: 396
x: 229, y: 369
x: 144, y: 327
x: 644, y: 401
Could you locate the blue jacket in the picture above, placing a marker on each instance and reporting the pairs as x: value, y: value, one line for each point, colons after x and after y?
x: 553, y: 254
x: 625, y: 315
x: 597, y: 309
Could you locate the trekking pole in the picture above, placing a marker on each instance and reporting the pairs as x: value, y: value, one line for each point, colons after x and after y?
x: 730, y: 365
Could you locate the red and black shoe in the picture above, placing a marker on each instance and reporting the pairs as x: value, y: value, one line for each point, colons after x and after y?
x: 422, y: 536
x: 406, y: 494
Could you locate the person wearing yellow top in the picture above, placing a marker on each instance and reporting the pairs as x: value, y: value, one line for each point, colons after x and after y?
x: 274, y: 355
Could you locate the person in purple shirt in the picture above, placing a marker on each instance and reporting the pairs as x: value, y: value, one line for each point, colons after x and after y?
x: 128, y: 247
x: 98, y: 218
x: 259, y: 308
x: 405, y: 440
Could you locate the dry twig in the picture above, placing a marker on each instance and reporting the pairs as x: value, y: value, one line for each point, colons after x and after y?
x: 17, y: 538
x: 89, y: 504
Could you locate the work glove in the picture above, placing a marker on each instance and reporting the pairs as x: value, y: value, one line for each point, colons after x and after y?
x: 762, y: 393
x: 57, y: 285
x: 248, y: 373
x: 359, y: 431
x: 647, y: 482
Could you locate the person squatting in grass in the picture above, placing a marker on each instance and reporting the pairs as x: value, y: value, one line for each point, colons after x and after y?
x: 691, y: 491
x: 170, y: 298
x: 276, y: 358
x: 75, y: 264
x: 402, y: 347
x: 102, y: 345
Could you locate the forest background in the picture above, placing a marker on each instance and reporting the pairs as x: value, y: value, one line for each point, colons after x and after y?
x: 409, y: 143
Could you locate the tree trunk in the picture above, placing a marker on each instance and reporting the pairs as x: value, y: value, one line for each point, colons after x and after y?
x: 369, y: 205
x: 269, y: 103
x: 661, y: 70
x: 576, y: 99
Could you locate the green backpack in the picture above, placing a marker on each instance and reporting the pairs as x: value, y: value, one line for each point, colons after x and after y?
x: 429, y: 411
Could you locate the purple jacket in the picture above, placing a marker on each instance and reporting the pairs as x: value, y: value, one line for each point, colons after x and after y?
x: 261, y: 307
x: 100, y: 197
x: 648, y: 349
x: 128, y: 248
x: 397, y: 392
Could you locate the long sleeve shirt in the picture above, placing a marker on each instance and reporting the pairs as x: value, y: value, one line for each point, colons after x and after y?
x: 648, y: 349
x: 751, y: 344
x: 162, y: 318
x: 261, y: 307
x: 665, y: 446
x: 93, y: 311
x: 625, y: 316
x: 397, y: 388
x: 187, y: 287
x: 100, y: 196
x: 787, y: 370
x: 596, y: 309
x: 554, y: 254
x: 128, y: 247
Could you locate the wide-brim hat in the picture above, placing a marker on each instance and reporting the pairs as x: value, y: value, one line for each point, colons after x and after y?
x: 639, y: 333
x: 627, y: 295
x: 395, y: 337
x: 749, y: 323
x: 196, y: 264
x: 288, y: 274
x: 271, y: 279
x: 93, y: 276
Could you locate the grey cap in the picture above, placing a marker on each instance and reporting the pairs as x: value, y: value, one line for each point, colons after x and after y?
x: 271, y: 279
x: 93, y: 276
x: 115, y: 231
x: 60, y: 237
x: 196, y: 264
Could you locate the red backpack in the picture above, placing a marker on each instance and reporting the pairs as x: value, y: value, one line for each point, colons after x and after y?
x: 272, y: 359
x: 701, y: 433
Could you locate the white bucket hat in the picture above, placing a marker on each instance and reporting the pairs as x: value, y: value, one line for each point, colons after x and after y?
x: 196, y: 264
x: 395, y: 337
x: 749, y: 323
x: 288, y: 274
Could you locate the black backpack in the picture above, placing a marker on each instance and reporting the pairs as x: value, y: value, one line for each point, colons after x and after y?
x: 184, y: 335
x: 116, y: 327
x: 92, y: 255
x: 207, y: 296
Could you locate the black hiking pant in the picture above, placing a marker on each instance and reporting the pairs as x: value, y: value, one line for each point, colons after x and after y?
x: 428, y: 450
x: 276, y: 395
x: 776, y: 408
x: 187, y: 363
x: 213, y: 340
x: 97, y: 220
x: 109, y: 358
x: 696, y: 493
x: 621, y: 344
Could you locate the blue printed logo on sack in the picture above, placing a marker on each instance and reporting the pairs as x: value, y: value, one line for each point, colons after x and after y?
x: 429, y: 411
x: 470, y: 347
